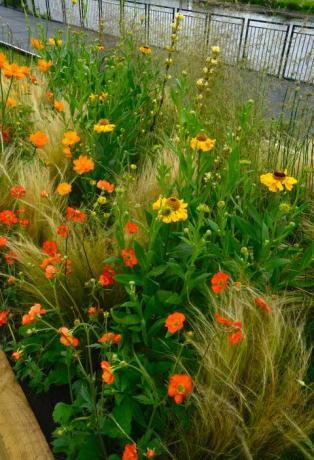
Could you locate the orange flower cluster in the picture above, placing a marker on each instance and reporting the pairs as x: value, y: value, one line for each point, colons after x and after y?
x: 129, y: 257
x: 18, y: 192
x: 67, y: 339
x: 110, y: 337
x: 131, y: 228
x: 63, y: 231
x: 175, y: 322
x: 105, y: 185
x: 15, y: 71
x: 180, y: 386
x: 107, y: 277
x: 235, y: 336
x: 31, y: 316
x: 107, y: 374
x: 54, y: 263
x: 4, y: 314
x: 219, y: 282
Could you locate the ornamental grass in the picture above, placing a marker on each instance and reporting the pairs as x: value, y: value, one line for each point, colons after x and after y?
x: 156, y: 251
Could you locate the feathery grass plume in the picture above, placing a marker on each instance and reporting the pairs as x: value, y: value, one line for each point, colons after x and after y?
x: 250, y: 398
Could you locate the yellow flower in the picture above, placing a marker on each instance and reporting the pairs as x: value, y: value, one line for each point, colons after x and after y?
x: 37, y: 44
x: 103, y: 96
x: 145, y: 50
x: 99, y: 47
x: 54, y: 42
x: 215, y: 49
x: 43, y: 65
x: 103, y: 126
x: 93, y: 97
x: 11, y: 102
x: 102, y: 200
x: 277, y: 181
x: 171, y: 209
x: 202, y: 142
x: 64, y: 188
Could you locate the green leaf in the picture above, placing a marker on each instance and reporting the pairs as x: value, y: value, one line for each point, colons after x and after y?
x: 125, y: 318
x: 62, y: 413
x: 119, y: 423
x: 125, y: 279
x: 91, y: 449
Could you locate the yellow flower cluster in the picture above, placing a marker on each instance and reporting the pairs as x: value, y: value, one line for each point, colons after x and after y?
x: 171, y: 209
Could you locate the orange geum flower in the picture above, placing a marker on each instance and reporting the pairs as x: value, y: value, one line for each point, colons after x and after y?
x: 83, y: 164
x: 10, y: 257
x: 4, y: 314
x: 43, y: 65
x: 39, y: 139
x: 18, y: 192
x: 67, y: 339
x: 107, y: 374
x: 175, y: 322
x: 150, y: 453
x: 50, y: 248
x: 263, y: 305
x: 235, y: 337
x: 130, y: 452
x: 67, y: 152
x: 59, y: 106
x: 105, y: 185
x: 227, y: 322
x: 51, y: 272
x: 70, y: 138
x: 3, y: 241
x: 13, y: 70
x: 110, y: 337
x: 31, y: 316
x: 129, y: 257
x: 92, y: 311
x: 10, y: 280
x: 8, y: 217
x: 16, y: 355
x: 75, y: 215
x: 11, y: 103
x: 219, y: 282
x: 24, y: 222
x: 131, y: 228
x: 64, y: 188
x: 3, y: 60
x: 63, y: 231
x: 180, y: 386
x: 25, y: 70
x: 44, y: 194
x: 37, y: 44
x: 106, y: 278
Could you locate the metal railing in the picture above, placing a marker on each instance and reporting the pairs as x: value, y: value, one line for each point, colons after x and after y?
x: 281, y: 49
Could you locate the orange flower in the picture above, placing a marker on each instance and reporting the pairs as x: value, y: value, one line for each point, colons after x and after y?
x: 25, y: 70
x: 39, y: 139
x: 150, y: 453
x: 31, y: 316
x: 131, y: 228
x: 16, y: 355
x: 227, y: 322
x: 219, y: 282
x: 110, y: 337
x: 67, y: 338
x: 83, y: 164
x: 74, y: 215
x: 50, y: 248
x: 180, y: 386
x: 50, y: 272
x: 44, y: 194
x: 106, y: 278
x: 107, y: 374
x: 59, y: 106
x: 92, y: 311
x: 235, y: 337
x: 34, y: 79
x: 11, y: 103
x: 4, y: 314
x: 24, y: 222
x: 64, y: 188
x: 130, y: 452
x: 8, y: 217
x: 263, y: 305
x: 175, y: 322
x: 51, y: 260
x: 11, y: 280
x: 70, y: 138
x: 3, y: 241
x: 129, y: 257
x: 13, y: 70
x: 49, y: 94
x: 18, y: 191
x: 10, y: 257
x: 67, y: 152
x: 3, y: 60
x: 105, y: 185
x: 63, y: 231
x: 37, y: 44
x: 43, y: 65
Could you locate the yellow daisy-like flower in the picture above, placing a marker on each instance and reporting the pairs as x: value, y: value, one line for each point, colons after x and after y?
x: 145, y: 50
x: 103, y: 96
x: 277, y: 181
x: 64, y: 188
x: 54, y: 42
x: 171, y: 209
x: 104, y: 126
x: 202, y: 142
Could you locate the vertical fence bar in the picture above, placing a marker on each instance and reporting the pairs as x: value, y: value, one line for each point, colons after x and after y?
x: 48, y: 9
x: 64, y: 12
x: 207, y: 30
x: 288, y: 51
x: 284, y: 49
x: 147, y: 22
x: 241, y: 39
x: 81, y: 13
x: 100, y: 10
x: 246, y: 37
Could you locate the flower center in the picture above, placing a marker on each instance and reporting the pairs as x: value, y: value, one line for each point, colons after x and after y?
x: 279, y: 175
x: 201, y: 137
x: 173, y: 203
x: 104, y: 122
x: 180, y: 388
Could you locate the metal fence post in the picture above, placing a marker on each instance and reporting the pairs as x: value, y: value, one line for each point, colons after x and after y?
x: 207, y: 30
x: 64, y: 12
x: 284, y: 67
x: 147, y: 22
x: 81, y: 10
x: 246, y: 37
x: 48, y: 9
x: 241, y: 39
x: 100, y: 10
x: 285, y: 51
